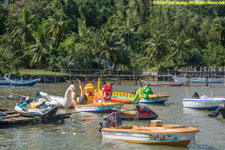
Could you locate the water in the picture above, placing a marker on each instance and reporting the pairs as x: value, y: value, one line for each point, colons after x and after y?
x: 85, y: 125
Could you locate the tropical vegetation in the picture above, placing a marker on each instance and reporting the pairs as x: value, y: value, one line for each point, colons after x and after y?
x: 129, y: 34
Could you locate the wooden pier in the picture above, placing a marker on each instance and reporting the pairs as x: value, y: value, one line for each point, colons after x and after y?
x: 85, y: 75
x: 14, y: 118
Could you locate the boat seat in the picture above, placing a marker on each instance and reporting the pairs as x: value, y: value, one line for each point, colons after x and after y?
x: 125, y: 127
x: 130, y: 112
x: 33, y: 105
x: 24, y: 108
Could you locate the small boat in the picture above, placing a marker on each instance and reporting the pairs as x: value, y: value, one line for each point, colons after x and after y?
x: 140, y: 113
x: 197, y: 80
x: 156, y: 133
x: 163, y: 83
x: 204, y: 102
x: 2, y: 116
x: 66, y: 101
x: 100, y: 107
x: 100, y: 102
x: 6, y: 81
x: 154, y: 99
x: 36, y: 108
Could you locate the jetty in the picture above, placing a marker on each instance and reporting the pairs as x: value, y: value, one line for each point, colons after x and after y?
x: 14, y: 118
x: 71, y: 75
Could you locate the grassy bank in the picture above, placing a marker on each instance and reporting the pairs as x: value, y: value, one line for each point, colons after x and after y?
x: 37, y: 72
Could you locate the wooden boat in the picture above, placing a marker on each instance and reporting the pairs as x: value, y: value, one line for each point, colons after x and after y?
x: 198, y: 80
x: 204, y: 102
x: 156, y: 133
x: 160, y: 83
x: 11, y: 82
x: 15, y: 119
x: 2, y: 116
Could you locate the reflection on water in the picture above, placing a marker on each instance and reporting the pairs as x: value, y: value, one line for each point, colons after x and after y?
x: 85, y: 125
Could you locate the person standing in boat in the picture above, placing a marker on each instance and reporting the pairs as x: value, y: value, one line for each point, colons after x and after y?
x: 146, y: 90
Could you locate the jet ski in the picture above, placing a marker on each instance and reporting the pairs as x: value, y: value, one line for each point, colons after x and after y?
x: 36, y: 108
x: 140, y: 113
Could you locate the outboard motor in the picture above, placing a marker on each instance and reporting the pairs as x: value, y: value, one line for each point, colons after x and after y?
x: 112, y: 120
x: 195, y: 96
x: 217, y: 111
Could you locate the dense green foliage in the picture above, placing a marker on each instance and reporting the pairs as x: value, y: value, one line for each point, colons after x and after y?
x: 71, y: 34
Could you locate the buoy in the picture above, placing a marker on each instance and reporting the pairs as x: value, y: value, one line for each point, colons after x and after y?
x: 74, y: 134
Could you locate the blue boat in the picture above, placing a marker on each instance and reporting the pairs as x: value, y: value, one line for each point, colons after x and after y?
x: 6, y: 81
x: 198, y: 80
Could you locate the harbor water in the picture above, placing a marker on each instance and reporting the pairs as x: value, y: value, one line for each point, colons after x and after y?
x: 81, y: 131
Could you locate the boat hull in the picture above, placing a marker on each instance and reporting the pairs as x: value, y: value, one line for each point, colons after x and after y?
x: 174, y: 139
x: 19, y: 82
x: 98, y: 107
x: 210, y: 104
x: 154, y: 100
x: 152, y: 83
x: 199, y: 80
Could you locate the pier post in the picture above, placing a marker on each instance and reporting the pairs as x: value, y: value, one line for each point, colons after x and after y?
x: 101, y: 73
x: 135, y: 82
x: 118, y: 80
x: 55, y: 76
x: 168, y: 72
x: 224, y: 78
x: 188, y: 80
x: 206, y: 80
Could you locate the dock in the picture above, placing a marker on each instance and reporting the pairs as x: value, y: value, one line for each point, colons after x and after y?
x: 85, y: 75
x: 14, y: 118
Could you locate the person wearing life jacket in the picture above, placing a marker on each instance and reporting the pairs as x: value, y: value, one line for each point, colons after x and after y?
x: 146, y: 90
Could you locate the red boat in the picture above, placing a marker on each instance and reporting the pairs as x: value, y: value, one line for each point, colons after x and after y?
x: 163, y: 83
x: 140, y: 113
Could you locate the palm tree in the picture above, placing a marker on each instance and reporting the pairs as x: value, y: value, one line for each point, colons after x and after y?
x: 128, y: 35
x: 156, y: 47
x: 56, y: 27
x: 181, y: 48
x: 22, y: 34
x: 41, y: 48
